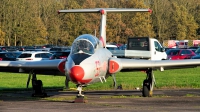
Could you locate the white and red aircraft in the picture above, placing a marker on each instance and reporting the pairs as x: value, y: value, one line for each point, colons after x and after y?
x: 90, y: 62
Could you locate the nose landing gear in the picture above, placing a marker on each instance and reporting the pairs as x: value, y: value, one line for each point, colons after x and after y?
x: 80, y: 97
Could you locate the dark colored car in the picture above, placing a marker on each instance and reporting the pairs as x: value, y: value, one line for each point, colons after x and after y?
x: 60, y: 54
x: 179, y: 54
x: 59, y: 49
x: 195, y: 57
x: 2, y: 48
x: 20, y: 48
x: 7, y: 56
x: 11, y: 48
x: 197, y: 52
x: 166, y: 49
x: 193, y: 50
x: 194, y: 47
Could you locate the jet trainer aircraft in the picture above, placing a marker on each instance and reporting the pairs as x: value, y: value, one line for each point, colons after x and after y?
x: 89, y: 61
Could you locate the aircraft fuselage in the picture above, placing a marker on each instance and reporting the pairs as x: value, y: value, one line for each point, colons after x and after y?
x: 86, y: 68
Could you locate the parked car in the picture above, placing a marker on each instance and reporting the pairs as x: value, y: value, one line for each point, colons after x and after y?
x: 41, y: 48
x: 112, y: 47
x: 59, y: 49
x: 2, y: 48
x: 197, y: 52
x: 29, y: 48
x: 193, y: 50
x: 195, y: 57
x: 194, y: 47
x: 7, y: 56
x: 34, y: 56
x: 16, y: 53
x: 167, y: 48
x: 178, y: 54
x: 20, y: 48
x: 123, y: 47
x: 10, y: 48
x: 60, y: 55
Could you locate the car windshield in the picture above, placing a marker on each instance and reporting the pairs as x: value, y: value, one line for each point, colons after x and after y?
x: 172, y: 52
x: 198, y: 50
x: 9, y: 55
x: 25, y: 55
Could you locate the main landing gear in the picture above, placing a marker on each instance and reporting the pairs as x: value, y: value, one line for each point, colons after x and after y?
x: 115, y: 83
x: 148, y: 84
x: 36, y: 85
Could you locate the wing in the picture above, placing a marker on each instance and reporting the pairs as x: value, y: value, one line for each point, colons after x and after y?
x: 120, y: 64
x: 46, y: 67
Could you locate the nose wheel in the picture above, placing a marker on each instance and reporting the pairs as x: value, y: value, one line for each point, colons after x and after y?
x: 80, y: 97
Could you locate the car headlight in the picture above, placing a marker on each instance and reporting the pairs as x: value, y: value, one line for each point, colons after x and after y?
x: 169, y: 58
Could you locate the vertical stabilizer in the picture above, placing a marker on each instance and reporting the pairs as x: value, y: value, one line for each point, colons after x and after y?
x: 102, y: 37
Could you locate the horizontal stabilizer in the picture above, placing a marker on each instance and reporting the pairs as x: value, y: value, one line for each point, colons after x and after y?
x: 98, y: 10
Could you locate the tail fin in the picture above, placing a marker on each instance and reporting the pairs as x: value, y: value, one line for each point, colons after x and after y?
x: 103, y: 12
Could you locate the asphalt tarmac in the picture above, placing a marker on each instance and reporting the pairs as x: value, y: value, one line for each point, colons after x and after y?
x: 185, y: 100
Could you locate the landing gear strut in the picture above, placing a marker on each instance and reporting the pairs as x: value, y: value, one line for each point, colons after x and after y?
x: 114, y: 81
x: 148, y: 84
x: 36, y: 85
x: 79, y: 88
x: 80, y: 97
x: 67, y: 82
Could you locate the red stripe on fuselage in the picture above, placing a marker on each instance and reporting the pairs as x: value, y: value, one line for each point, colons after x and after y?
x: 102, y: 40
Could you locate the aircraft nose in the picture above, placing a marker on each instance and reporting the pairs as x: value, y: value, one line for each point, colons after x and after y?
x: 76, y: 74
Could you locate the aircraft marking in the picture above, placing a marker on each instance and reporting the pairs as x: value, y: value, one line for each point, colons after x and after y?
x: 61, y: 66
x: 97, y: 68
x: 113, y: 66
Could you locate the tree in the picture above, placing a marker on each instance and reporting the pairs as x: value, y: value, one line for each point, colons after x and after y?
x: 28, y: 22
x: 137, y: 24
x: 2, y: 37
x: 160, y: 18
x: 183, y: 25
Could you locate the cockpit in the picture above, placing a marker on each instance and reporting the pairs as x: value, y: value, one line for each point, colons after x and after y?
x: 85, y: 44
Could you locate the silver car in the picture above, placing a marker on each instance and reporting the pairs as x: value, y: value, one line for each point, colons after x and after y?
x: 34, y: 56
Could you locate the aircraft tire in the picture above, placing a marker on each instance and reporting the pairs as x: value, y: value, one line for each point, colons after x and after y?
x: 145, y: 89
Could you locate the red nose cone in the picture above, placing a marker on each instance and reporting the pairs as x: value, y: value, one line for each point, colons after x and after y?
x: 77, y: 74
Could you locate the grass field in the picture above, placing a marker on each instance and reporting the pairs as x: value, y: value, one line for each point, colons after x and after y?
x: 178, y: 78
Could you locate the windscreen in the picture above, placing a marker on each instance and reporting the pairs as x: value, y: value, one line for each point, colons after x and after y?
x: 138, y: 44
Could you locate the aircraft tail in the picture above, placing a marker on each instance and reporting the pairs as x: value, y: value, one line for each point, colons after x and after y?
x: 103, y: 12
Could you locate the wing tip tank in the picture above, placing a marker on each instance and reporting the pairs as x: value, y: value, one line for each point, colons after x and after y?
x: 114, y: 65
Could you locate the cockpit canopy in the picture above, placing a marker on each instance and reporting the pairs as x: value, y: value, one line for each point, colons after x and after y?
x: 85, y: 44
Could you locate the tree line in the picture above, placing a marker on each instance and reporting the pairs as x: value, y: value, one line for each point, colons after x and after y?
x: 36, y: 22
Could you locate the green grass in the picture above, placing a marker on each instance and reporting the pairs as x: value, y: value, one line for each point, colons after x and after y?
x: 178, y: 78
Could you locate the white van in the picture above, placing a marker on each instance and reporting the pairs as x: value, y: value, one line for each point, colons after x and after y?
x: 142, y: 48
